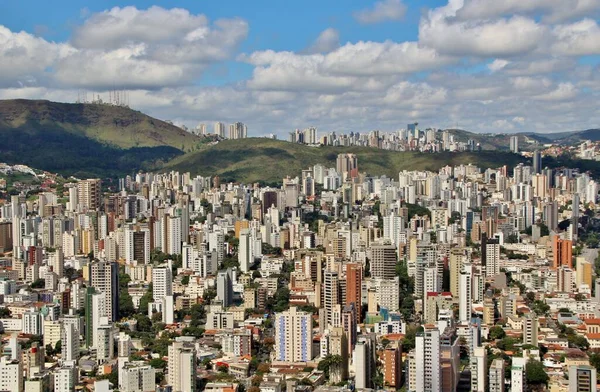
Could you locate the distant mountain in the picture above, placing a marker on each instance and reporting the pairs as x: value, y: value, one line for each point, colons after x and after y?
x: 87, y: 139
x: 268, y: 160
x: 527, y: 140
x: 112, y: 125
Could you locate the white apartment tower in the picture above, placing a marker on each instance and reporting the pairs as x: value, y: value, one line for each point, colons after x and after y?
x: 293, y: 336
x: 182, y: 367
x: 427, y: 357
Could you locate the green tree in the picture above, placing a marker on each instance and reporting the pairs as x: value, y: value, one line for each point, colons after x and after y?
x: 496, y: 332
x: 535, y: 373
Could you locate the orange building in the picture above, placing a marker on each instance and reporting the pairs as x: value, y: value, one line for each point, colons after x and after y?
x: 563, y: 252
x: 392, y: 366
x: 354, y: 287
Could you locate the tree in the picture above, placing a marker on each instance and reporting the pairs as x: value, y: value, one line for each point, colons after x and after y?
x: 497, y: 332
x: 578, y: 341
x: 38, y: 284
x: 158, y: 363
x: 535, y: 373
x: 5, y: 313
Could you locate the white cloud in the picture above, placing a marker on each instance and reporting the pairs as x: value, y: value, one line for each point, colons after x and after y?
x: 327, y: 41
x: 382, y: 11
x: 359, y: 67
x: 577, y: 39
x: 553, y: 10
x: 497, y: 65
x: 499, y: 38
x: 564, y: 92
x: 123, y: 47
x: 25, y: 58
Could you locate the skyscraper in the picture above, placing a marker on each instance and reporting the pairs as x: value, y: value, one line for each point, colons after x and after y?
x: 331, y: 291
x: 537, y: 162
x: 383, y: 261
x: 496, y: 376
x: 427, y: 358
x: 104, y: 277
x: 490, y: 255
x: 354, y: 287
x: 562, y: 251
x: 88, y: 194
x: 293, y: 336
x: 582, y: 378
x: 162, y: 283
x: 466, y: 293
x: 225, y: 287
x: 514, y: 144
x: 182, y: 367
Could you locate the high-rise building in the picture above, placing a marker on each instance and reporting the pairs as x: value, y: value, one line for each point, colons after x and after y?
x: 331, y: 294
x: 65, y: 377
x: 69, y: 338
x: 465, y: 297
x: 514, y: 144
x: 530, y: 330
x: 104, y: 344
x: 490, y: 255
x: 11, y: 375
x: 33, y: 323
x: 496, y: 376
x: 225, y: 287
x: 364, y: 362
x: 562, y: 251
x: 182, y: 367
x: 537, y: 162
x: 104, y: 277
x: 237, y: 130
x: 162, y: 283
x: 219, y: 129
x: 137, y: 246
x: 392, y: 366
x: 457, y: 259
x: 354, y: 287
x: 137, y: 377
x: 245, y: 254
x: 517, y: 374
x: 383, y: 261
x: 582, y: 378
x: 347, y: 165
x: 89, y: 194
x: 293, y: 336
x: 427, y: 358
x: 479, y: 371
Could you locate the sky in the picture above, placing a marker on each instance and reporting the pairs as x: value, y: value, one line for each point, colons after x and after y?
x: 480, y: 65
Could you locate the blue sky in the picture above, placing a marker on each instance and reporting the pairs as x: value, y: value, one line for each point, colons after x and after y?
x: 491, y: 66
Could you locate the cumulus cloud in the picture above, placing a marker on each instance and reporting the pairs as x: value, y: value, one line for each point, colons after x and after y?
x: 477, y: 64
x: 384, y: 10
x: 499, y: 38
x: 360, y: 66
x: 577, y: 39
x: 552, y: 10
x: 24, y: 58
x: 327, y: 41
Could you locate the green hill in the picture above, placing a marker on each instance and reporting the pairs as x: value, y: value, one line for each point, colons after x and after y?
x: 268, y: 160
x: 87, y: 139
x: 113, y: 125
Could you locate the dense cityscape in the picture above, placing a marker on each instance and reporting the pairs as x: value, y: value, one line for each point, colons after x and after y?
x: 462, y: 279
x: 300, y: 196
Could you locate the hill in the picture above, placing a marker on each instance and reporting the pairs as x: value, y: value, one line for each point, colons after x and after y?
x: 112, y: 125
x: 268, y: 160
x: 87, y: 139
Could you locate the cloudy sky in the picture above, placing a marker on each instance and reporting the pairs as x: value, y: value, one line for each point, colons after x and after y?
x: 481, y: 65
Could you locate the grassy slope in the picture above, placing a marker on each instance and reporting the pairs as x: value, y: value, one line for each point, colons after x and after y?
x: 258, y: 159
x: 115, y: 126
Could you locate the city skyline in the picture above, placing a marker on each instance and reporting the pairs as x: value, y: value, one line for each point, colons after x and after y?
x: 478, y: 65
